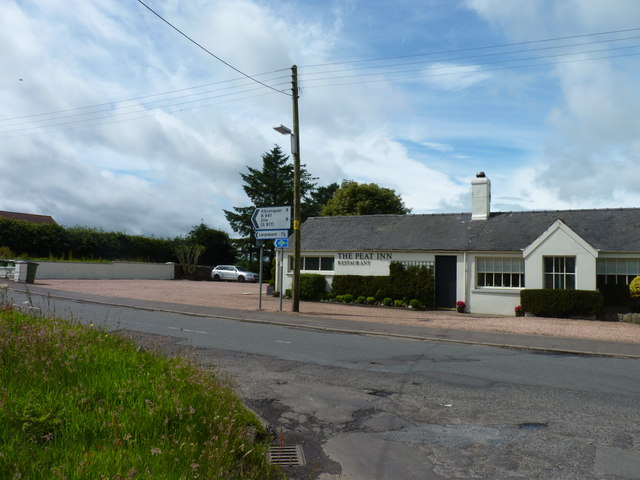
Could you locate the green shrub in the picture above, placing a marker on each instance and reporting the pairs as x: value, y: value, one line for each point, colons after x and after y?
x: 562, y: 303
x: 398, y: 303
x: 347, y: 298
x: 387, y: 301
x: 371, y: 300
x: 312, y: 286
x: 634, y: 288
x: 361, y: 300
x: 287, y: 293
x: 402, y: 282
x: 6, y: 253
x: 416, y: 304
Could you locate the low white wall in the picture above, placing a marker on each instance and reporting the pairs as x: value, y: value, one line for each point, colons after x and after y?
x: 113, y: 270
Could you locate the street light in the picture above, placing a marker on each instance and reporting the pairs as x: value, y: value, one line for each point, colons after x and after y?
x: 295, y: 149
x: 287, y: 131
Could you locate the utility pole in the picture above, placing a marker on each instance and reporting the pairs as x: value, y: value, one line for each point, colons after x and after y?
x: 296, y: 191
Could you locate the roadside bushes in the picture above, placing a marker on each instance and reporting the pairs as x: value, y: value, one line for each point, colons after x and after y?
x: 562, y: 303
x: 402, y: 283
x: 312, y: 286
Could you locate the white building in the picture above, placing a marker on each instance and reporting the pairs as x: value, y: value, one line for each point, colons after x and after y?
x: 483, y: 258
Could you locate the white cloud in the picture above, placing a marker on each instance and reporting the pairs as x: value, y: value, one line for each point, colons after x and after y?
x: 594, y: 127
x: 451, y: 77
x: 541, y: 136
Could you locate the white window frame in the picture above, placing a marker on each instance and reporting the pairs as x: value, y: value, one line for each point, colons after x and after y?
x: 557, y: 277
x: 499, y: 272
x: 619, y: 271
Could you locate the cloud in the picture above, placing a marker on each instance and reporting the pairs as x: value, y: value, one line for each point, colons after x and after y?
x: 593, y: 126
x: 451, y: 77
x: 147, y: 161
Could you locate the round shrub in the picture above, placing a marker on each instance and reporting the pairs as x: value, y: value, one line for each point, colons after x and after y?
x: 371, y: 300
x: 416, y: 304
x: 347, y: 298
x: 634, y: 288
x: 398, y: 303
x: 361, y: 300
x: 387, y: 302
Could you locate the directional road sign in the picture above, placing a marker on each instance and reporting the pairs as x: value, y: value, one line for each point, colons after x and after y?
x: 272, y: 218
x: 271, y: 234
x: 281, y: 243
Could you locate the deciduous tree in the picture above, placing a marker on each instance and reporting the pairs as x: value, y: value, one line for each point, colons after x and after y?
x: 353, y: 198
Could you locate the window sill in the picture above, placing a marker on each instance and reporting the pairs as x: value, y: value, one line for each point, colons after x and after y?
x: 502, y: 290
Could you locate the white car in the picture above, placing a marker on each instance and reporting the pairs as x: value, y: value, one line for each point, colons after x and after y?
x: 233, y: 273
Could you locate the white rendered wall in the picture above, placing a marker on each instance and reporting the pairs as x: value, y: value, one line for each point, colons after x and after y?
x: 491, y: 300
x: 561, y: 242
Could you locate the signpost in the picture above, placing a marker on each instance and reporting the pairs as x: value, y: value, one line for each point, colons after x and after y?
x: 271, y: 223
x: 271, y: 234
x: 272, y: 218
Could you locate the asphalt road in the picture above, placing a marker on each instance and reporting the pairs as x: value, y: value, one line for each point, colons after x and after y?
x: 375, y: 408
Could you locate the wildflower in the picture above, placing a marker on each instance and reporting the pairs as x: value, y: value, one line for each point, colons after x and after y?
x: 156, y: 451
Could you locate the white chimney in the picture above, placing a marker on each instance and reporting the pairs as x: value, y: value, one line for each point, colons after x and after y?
x: 480, y: 197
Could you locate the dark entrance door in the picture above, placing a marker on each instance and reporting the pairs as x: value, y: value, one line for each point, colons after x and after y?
x: 446, y: 281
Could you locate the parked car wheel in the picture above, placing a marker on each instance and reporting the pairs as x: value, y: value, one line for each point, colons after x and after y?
x: 240, y: 278
x: 216, y: 278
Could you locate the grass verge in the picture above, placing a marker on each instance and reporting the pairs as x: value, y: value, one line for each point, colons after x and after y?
x: 77, y: 402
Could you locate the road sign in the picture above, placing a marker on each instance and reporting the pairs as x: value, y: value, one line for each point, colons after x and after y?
x: 272, y: 218
x: 281, y: 243
x: 271, y: 234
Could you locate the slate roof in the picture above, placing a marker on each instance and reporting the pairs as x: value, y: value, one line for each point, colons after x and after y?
x: 27, y: 217
x: 615, y: 230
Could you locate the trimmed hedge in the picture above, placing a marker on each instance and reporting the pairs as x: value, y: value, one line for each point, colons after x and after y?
x: 562, y: 303
x: 402, y: 283
x: 312, y: 286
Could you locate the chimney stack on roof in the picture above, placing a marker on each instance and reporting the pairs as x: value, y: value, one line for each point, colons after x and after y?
x: 480, y: 197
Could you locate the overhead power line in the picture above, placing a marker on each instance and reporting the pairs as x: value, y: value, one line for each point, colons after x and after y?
x: 484, y: 55
x: 112, y: 103
x: 469, y: 49
x: 208, y: 51
x: 454, y: 68
x: 455, y: 71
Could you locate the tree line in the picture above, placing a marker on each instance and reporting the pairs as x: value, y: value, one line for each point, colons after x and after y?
x: 19, y: 238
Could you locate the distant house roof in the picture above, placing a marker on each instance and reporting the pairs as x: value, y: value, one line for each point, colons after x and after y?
x: 27, y: 217
x: 616, y: 230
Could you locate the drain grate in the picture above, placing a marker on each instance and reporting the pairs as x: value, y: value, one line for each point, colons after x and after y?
x: 287, y: 455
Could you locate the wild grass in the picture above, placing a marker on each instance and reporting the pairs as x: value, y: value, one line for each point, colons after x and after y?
x: 77, y: 402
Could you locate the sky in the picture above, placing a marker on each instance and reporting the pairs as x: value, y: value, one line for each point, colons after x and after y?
x: 110, y: 118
